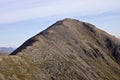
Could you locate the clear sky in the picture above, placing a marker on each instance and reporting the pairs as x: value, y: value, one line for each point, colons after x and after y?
x: 22, y: 19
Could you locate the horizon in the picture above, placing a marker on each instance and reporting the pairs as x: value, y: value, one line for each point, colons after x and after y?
x: 20, y: 20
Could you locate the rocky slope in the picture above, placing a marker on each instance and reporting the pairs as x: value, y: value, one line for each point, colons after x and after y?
x: 67, y: 50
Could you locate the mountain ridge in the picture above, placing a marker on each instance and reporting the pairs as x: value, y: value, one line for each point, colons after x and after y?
x: 71, y: 49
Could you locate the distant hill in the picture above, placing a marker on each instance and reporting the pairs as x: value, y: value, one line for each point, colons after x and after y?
x: 68, y: 50
x: 6, y: 49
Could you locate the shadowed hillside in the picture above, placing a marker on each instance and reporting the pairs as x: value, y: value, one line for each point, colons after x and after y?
x: 67, y: 50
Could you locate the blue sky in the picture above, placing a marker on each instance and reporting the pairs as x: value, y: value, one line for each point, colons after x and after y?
x: 22, y: 19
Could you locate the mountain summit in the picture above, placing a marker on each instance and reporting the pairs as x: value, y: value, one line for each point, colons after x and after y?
x: 67, y: 50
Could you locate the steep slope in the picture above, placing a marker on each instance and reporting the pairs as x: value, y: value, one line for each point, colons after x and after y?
x: 73, y: 50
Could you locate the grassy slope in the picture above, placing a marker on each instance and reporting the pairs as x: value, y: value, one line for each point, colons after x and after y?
x: 4, y: 53
x: 17, y: 68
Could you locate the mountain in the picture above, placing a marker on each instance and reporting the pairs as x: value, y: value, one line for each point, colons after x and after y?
x: 6, y: 49
x: 67, y: 50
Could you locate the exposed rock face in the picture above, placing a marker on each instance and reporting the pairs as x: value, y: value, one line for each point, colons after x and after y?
x: 72, y: 50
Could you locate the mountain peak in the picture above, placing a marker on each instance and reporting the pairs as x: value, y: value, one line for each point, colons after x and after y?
x: 73, y: 50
